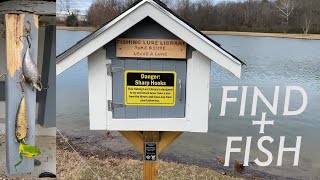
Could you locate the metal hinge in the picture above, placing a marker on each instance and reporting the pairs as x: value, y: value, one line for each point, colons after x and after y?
x: 112, y: 105
x: 111, y: 69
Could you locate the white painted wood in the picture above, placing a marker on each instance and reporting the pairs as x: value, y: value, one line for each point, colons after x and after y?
x: 109, y: 93
x: 159, y: 124
x: 197, y: 96
x: 97, y: 90
x: 164, y: 18
x: 88, y: 48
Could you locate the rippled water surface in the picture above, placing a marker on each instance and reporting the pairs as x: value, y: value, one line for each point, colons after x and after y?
x: 270, y: 62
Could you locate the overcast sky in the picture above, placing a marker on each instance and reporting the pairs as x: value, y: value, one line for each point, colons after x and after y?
x: 83, y: 5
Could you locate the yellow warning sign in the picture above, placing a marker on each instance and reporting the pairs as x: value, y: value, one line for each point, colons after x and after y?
x: 149, y: 88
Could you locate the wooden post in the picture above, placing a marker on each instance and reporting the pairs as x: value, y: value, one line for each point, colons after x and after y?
x: 15, y: 48
x: 47, y: 97
x: 137, y: 138
x: 150, y: 169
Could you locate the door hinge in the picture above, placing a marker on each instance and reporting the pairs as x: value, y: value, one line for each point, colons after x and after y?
x: 111, y: 69
x: 112, y: 105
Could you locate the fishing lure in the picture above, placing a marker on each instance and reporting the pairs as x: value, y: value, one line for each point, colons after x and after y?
x: 28, y: 151
x: 21, y: 121
x: 30, y: 73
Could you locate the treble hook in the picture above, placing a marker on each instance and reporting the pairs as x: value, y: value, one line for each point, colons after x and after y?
x: 28, y: 34
x: 27, y: 37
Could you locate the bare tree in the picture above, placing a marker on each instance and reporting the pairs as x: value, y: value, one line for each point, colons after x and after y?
x: 64, y: 5
x: 285, y: 8
x: 102, y: 11
x: 308, y: 11
x: 289, y: 16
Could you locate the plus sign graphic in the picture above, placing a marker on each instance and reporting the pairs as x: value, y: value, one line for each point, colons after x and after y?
x: 262, y: 123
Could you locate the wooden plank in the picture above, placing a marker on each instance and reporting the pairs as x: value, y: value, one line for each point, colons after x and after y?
x: 151, y: 48
x: 150, y: 169
x: 35, y: 7
x: 47, y: 97
x: 166, y: 138
x: 135, y: 137
x: 15, y: 50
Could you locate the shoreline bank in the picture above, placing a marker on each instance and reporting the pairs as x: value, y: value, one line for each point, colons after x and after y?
x: 118, y: 162
x: 230, y: 33
x: 104, y: 148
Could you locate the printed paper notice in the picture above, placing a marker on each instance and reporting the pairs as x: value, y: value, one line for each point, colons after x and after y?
x: 149, y: 88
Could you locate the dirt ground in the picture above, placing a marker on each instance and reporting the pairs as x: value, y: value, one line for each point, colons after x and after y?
x: 110, y: 156
x: 71, y: 166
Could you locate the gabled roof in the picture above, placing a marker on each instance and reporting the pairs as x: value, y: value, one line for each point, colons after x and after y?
x: 160, y: 13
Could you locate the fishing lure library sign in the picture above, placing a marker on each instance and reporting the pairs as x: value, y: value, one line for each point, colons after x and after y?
x: 151, y: 48
x: 150, y: 88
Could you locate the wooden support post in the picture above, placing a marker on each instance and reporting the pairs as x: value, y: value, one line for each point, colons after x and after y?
x: 137, y: 138
x: 166, y: 138
x: 47, y: 97
x: 150, y: 169
x: 15, y: 49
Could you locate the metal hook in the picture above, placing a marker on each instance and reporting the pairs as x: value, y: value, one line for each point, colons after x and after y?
x: 45, y: 88
x: 28, y: 34
x: 27, y: 37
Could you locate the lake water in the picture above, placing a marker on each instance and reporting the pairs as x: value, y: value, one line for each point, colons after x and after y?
x: 270, y: 62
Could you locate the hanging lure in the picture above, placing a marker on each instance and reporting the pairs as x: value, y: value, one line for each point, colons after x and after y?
x: 26, y: 150
x: 30, y: 73
x: 21, y: 121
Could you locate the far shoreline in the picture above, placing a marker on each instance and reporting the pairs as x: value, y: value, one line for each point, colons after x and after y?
x: 230, y: 33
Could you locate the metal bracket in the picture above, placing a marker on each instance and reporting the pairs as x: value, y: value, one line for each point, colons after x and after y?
x: 112, y: 105
x: 111, y: 69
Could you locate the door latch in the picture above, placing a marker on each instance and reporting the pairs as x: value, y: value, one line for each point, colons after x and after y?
x: 111, y: 69
x: 112, y: 105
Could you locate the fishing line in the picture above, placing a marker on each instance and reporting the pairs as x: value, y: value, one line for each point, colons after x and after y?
x: 65, y: 139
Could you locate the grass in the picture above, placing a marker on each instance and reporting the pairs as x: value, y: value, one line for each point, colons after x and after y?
x: 70, y: 166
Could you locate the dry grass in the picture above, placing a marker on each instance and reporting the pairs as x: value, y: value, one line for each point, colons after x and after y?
x: 76, y: 28
x: 69, y: 166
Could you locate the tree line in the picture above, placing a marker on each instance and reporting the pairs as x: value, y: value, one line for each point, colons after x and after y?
x: 287, y: 16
